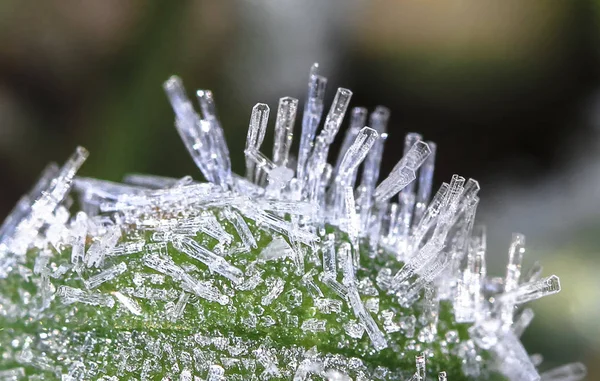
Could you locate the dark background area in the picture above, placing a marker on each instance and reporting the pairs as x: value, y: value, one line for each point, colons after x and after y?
x: 510, y: 92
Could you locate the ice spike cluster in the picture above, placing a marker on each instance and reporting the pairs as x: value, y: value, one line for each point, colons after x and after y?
x: 296, y: 271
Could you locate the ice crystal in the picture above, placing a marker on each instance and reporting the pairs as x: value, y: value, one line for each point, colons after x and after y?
x: 292, y: 271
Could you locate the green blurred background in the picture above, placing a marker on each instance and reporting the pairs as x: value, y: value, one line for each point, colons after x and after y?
x: 509, y: 90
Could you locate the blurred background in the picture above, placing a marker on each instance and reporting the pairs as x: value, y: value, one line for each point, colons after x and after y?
x: 509, y: 90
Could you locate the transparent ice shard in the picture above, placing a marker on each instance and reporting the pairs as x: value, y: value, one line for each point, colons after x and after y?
x: 569, y: 372
x: 407, y: 197
x: 216, y: 136
x: 256, y: 134
x: 355, y: 154
x: 531, y: 291
x: 50, y: 196
x: 309, y: 282
x: 78, y: 239
x: 430, y: 315
x: 241, y: 228
x: 318, y: 159
x: 352, y: 220
x: 276, y: 223
x: 189, y: 126
x: 165, y: 265
x: 23, y: 208
x: 128, y: 248
x: 427, y: 273
x: 213, y: 261
x: 284, y: 130
x: 429, y: 218
x: 403, y: 173
x: 378, y: 120
x: 277, y: 248
x: 313, y: 110
x: 421, y: 371
x: 130, y: 304
x: 179, y: 309
x: 522, y: 321
x: 149, y: 181
x: 298, y: 208
x: 99, y: 249
x: 329, y: 256
x: 358, y: 118
x: 468, y: 298
x: 71, y: 295
x: 328, y: 306
x: 513, y: 274
x: 534, y: 273
x: 275, y: 287
x: 377, y: 337
x: 419, y: 263
x: 105, y: 276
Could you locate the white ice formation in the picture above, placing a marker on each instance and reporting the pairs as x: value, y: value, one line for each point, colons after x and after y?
x: 296, y: 270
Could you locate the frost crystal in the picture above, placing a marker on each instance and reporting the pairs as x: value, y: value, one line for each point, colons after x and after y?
x: 260, y: 276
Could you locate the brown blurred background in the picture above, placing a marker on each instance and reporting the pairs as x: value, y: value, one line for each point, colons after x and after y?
x: 509, y: 90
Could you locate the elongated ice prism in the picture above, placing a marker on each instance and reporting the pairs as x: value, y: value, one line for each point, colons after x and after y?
x: 357, y: 152
x: 216, y: 137
x: 21, y: 211
x: 318, y: 159
x: 313, y: 110
x: 522, y: 321
x: 78, y: 239
x: 534, y: 273
x: 329, y: 256
x: 421, y: 371
x: 105, y: 276
x: 284, y: 130
x: 352, y: 221
x: 378, y: 120
x: 429, y: 217
x: 213, y: 261
x: 71, y: 295
x: 179, y: 308
x: 427, y: 273
x: 354, y: 155
x: 130, y: 304
x: 201, y: 137
x: 165, y: 265
x: 256, y: 134
x: 276, y: 249
x: 48, y: 197
x: 469, y: 296
x: 403, y: 173
x: 99, y: 249
x: 570, y: 372
x: 358, y: 119
x: 425, y: 184
x: 349, y: 280
x: 531, y: 291
x: 241, y: 228
x: 513, y: 274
